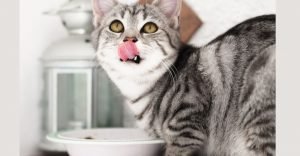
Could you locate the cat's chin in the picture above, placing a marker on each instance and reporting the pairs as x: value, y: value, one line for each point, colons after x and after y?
x: 128, y: 68
x: 131, y: 65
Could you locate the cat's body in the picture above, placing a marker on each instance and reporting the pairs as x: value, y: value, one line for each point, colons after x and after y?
x: 217, y: 100
x: 222, y: 93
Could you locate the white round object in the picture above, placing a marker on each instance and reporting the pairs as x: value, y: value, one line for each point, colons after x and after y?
x: 72, y: 5
x: 108, y: 142
x: 76, y: 5
x: 76, y: 16
x: 77, y: 22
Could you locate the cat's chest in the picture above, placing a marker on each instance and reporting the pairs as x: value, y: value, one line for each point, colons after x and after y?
x: 135, y: 87
x: 131, y: 89
x: 141, y: 110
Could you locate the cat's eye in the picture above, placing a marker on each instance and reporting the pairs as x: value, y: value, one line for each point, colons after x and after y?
x: 116, y: 26
x: 149, y: 27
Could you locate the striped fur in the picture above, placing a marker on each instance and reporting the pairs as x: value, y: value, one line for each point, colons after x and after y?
x: 216, y: 100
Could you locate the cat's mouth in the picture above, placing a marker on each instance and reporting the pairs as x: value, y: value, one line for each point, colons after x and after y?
x: 128, y: 51
x: 137, y: 59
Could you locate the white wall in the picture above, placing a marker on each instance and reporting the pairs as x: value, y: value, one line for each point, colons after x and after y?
x: 38, y: 31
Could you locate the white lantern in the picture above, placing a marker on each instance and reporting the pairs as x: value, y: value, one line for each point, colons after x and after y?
x: 69, y: 65
x: 69, y: 69
x: 77, y: 93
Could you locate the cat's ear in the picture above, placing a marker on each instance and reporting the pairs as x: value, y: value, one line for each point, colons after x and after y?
x: 100, y: 8
x: 171, y: 8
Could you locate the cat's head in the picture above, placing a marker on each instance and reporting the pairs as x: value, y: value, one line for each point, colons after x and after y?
x: 148, y: 34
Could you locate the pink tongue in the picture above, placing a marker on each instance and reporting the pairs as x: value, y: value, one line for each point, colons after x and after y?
x: 127, y: 50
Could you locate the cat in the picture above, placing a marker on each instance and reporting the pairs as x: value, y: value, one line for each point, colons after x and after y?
x: 215, y: 100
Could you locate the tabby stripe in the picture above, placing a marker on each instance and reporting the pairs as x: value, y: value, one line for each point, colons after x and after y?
x: 127, y: 9
x: 173, y: 70
x: 143, y: 95
x: 236, y: 65
x: 189, y: 135
x: 229, y: 103
x: 141, y: 115
x: 231, y: 96
x: 270, y: 129
x: 187, y: 87
x: 248, y: 93
x: 184, y: 145
x: 169, y: 38
x: 98, y: 38
x: 158, y: 101
x: 133, y: 10
x: 269, y: 154
x: 262, y: 121
x: 204, y: 101
x: 145, y: 13
x: 250, y: 109
x: 161, y: 48
x: 260, y: 61
x: 227, y: 110
x: 184, y: 126
x: 194, y: 115
x: 219, y: 62
x: 181, y: 108
x: 122, y: 13
x: 262, y: 134
x: 269, y: 145
x: 193, y: 124
x: 169, y: 103
x: 258, y: 114
x: 138, y: 11
x: 222, y: 72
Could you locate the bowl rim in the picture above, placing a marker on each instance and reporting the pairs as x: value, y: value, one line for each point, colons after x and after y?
x: 55, y: 137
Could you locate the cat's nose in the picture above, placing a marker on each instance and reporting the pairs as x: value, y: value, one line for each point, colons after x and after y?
x: 133, y: 39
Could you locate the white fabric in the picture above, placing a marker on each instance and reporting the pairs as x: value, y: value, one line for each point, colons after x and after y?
x: 220, y: 15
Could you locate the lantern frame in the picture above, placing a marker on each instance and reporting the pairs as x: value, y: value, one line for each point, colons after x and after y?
x: 71, y: 55
x: 53, y: 92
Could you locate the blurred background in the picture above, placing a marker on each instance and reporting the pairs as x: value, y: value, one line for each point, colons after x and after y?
x: 62, y: 87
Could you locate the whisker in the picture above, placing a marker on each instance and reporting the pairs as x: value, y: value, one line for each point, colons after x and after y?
x: 173, y: 68
x: 170, y: 72
x: 170, y: 69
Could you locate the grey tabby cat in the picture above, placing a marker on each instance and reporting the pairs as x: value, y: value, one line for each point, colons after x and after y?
x: 216, y: 100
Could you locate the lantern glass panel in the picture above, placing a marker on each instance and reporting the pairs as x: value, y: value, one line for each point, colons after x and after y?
x: 71, y: 101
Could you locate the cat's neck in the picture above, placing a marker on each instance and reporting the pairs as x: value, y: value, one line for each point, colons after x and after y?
x: 140, y: 86
x: 133, y: 90
x: 136, y: 88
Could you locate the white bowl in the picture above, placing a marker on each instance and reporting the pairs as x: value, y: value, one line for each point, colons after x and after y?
x: 108, y: 142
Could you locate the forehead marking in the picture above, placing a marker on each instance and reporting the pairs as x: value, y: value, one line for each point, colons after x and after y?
x: 133, y: 10
x: 127, y: 9
x: 139, y: 10
x: 145, y: 14
x: 122, y: 13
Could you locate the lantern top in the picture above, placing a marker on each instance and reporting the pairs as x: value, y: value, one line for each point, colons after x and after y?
x: 72, y: 5
x: 76, y: 16
x: 70, y: 49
